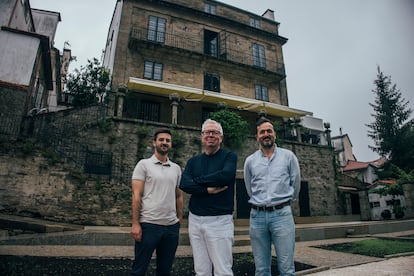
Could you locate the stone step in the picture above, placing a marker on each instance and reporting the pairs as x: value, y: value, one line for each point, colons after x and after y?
x: 241, y: 236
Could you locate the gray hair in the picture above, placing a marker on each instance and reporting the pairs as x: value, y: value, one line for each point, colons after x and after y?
x: 210, y: 121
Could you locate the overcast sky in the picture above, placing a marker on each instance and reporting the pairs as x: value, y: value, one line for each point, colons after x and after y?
x: 331, y: 57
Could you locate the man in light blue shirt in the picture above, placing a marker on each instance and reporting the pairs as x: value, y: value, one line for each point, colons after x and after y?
x: 272, y: 179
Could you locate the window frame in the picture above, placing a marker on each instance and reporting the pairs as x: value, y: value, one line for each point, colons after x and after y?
x: 210, y: 8
x: 261, y: 92
x: 157, y: 27
x: 255, y: 23
x: 154, y: 67
x: 258, y: 55
x: 211, y: 43
x: 209, y: 82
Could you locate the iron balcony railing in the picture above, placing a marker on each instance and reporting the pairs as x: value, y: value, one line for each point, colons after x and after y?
x: 223, y: 51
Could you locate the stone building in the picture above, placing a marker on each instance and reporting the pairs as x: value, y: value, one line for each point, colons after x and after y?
x: 30, y: 69
x: 176, y: 61
x: 171, y: 64
x: 191, y: 57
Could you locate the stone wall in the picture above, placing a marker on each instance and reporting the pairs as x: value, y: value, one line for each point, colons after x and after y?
x: 13, y: 102
x: 408, y: 188
x: 41, y: 184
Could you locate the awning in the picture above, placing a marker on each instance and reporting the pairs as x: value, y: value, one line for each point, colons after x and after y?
x: 191, y: 94
x: 347, y: 189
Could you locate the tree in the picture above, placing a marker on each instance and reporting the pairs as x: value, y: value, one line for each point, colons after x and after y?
x: 234, y: 127
x: 391, y: 123
x: 403, y: 155
x: 88, y: 85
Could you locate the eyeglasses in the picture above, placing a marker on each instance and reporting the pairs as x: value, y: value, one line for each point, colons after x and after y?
x: 211, y: 132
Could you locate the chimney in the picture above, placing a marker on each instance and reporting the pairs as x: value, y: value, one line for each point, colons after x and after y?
x: 269, y: 14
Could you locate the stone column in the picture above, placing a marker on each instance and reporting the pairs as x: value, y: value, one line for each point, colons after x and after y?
x: 364, y: 205
x: 122, y: 91
x: 221, y: 106
x: 262, y: 113
x: 408, y: 189
x: 175, y: 99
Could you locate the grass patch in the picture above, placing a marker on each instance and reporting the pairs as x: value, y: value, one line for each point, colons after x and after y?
x: 373, y: 247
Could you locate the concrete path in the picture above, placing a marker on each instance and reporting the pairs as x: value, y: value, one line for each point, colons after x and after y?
x: 326, y: 262
x: 398, y: 266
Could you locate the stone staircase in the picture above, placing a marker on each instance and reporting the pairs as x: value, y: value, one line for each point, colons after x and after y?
x: 51, y: 233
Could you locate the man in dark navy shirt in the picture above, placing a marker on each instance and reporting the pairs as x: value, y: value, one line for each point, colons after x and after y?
x: 210, y: 178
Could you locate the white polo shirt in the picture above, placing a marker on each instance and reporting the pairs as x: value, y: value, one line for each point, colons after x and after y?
x: 160, y: 182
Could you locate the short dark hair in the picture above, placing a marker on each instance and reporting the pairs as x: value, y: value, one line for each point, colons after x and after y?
x: 161, y: 130
x: 263, y: 120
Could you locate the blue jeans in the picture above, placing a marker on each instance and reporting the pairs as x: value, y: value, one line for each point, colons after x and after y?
x: 162, y: 239
x: 277, y: 227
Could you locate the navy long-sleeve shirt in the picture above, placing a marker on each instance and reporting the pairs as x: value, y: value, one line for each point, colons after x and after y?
x: 204, y: 171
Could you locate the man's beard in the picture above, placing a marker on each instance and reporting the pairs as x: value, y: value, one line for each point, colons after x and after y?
x: 161, y: 151
x: 267, y: 144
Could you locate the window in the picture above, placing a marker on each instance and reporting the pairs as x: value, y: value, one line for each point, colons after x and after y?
x: 374, y: 204
x: 210, y: 43
x: 255, y: 23
x: 261, y: 92
x: 156, y: 29
x: 212, y: 82
x: 149, y: 111
x: 153, y: 70
x: 259, y: 55
x: 209, y: 8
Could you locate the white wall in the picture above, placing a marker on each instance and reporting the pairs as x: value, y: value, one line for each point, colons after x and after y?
x: 17, y: 57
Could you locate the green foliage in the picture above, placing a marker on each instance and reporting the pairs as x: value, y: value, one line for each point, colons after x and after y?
x: 27, y: 147
x: 105, y: 125
x: 391, y: 123
x: 76, y: 177
x: 98, y: 185
x: 403, y: 152
x: 178, y: 143
x: 392, y: 189
x: 141, y: 147
x: 391, y: 171
x: 277, y: 128
x: 88, y: 85
x: 142, y: 132
x: 234, y: 127
x: 52, y: 156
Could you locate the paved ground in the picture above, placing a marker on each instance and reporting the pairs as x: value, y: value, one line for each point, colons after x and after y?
x: 326, y: 262
x: 342, y: 264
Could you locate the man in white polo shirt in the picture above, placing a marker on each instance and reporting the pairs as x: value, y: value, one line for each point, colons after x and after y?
x: 157, y: 205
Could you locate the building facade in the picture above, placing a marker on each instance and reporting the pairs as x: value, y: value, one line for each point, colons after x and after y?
x: 175, y: 61
x: 193, y: 57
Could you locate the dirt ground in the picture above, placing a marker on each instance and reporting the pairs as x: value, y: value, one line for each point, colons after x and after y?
x: 183, y: 266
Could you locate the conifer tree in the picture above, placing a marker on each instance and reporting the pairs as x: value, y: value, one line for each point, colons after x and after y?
x: 391, y: 125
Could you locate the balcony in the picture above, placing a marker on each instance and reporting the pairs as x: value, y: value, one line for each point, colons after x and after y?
x: 224, y: 51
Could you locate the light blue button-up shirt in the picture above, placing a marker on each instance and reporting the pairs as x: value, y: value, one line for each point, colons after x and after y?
x: 272, y: 181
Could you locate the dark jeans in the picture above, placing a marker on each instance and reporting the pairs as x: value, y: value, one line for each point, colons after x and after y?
x: 162, y: 239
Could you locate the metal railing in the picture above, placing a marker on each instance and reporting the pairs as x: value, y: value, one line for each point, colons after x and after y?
x: 193, y: 44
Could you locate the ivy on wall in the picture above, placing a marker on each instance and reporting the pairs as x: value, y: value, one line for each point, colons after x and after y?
x: 234, y: 127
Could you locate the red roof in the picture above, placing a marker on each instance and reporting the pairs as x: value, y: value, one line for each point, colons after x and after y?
x: 356, y: 165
